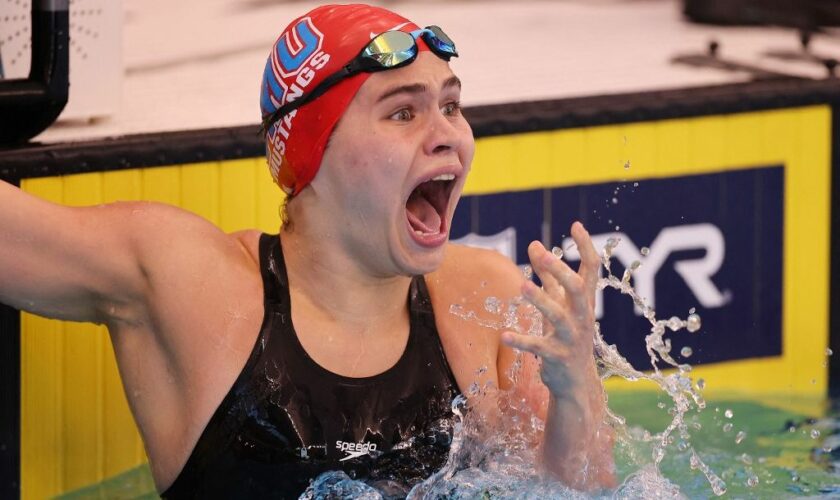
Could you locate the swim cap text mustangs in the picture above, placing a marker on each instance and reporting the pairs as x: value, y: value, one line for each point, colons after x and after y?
x: 311, y: 48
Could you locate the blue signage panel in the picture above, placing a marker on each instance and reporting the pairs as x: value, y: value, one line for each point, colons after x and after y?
x: 711, y: 242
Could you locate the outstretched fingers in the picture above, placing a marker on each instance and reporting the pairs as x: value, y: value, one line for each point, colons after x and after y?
x: 541, y: 260
x: 551, y: 309
x: 554, y: 273
x: 590, y: 261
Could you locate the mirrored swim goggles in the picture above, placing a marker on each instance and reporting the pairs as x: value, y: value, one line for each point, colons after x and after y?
x: 389, y: 50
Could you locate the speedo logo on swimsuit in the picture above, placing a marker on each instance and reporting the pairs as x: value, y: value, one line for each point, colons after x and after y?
x: 354, y: 450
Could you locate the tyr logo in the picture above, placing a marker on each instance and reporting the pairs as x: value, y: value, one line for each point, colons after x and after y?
x: 696, y: 273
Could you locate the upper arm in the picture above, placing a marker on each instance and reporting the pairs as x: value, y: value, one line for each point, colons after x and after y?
x: 99, y: 263
x: 61, y: 261
x: 502, y: 279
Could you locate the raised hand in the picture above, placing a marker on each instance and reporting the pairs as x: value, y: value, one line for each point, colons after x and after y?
x: 567, y: 302
x: 577, y: 443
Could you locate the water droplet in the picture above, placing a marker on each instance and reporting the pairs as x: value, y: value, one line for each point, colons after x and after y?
x: 645, y: 251
x: 493, y: 305
x: 727, y: 427
x: 828, y: 351
x: 728, y: 414
x: 660, y: 405
x: 558, y: 252
x: 701, y: 384
x: 746, y: 459
x: 692, y: 323
x: 617, y: 228
x: 675, y: 323
x: 752, y: 481
x: 635, y: 184
x: 815, y: 433
x: 686, y: 352
x: 740, y: 437
x: 692, y: 311
x: 615, y: 201
x: 527, y: 271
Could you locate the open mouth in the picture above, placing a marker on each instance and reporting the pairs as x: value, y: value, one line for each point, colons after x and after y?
x: 427, y: 206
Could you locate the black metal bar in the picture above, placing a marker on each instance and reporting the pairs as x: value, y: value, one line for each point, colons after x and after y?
x: 834, y: 273
x: 28, y: 106
x: 9, y: 400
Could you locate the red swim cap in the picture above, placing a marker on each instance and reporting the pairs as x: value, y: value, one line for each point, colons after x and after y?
x: 311, y: 48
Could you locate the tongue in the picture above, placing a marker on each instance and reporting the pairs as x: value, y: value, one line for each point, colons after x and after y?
x: 422, y: 215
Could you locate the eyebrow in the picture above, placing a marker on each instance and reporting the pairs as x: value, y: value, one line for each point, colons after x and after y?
x: 418, y: 88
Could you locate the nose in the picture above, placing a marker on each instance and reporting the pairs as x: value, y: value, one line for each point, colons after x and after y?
x: 443, y: 136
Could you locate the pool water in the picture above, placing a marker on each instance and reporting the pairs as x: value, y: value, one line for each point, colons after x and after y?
x: 758, y: 449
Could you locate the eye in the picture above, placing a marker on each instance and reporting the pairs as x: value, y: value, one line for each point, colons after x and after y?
x: 402, y: 115
x: 451, y: 108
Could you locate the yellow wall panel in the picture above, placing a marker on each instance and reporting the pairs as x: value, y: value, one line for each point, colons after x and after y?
x: 269, y: 198
x: 200, y: 190
x: 162, y: 184
x: 121, y: 185
x: 42, y: 449
x: 238, y: 204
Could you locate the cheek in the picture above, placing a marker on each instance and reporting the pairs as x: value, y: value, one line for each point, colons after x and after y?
x: 467, y: 149
x: 371, y: 174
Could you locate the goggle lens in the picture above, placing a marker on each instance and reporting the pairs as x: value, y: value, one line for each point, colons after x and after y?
x: 439, y: 42
x: 391, y: 49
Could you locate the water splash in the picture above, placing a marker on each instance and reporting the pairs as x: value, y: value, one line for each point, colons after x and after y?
x: 484, y: 462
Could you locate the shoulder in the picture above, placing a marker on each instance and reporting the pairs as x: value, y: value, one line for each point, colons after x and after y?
x: 164, y: 233
x: 466, y: 270
x: 465, y: 282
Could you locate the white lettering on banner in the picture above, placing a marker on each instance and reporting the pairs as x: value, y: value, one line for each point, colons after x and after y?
x: 503, y: 242
x: 696, y: 273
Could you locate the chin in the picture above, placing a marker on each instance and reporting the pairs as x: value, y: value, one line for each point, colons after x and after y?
x: 416, y: 261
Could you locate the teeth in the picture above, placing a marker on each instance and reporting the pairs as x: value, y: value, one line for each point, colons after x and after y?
x: 444, y: 177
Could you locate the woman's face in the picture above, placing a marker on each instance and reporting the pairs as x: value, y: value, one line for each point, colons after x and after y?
x: 396, y: 166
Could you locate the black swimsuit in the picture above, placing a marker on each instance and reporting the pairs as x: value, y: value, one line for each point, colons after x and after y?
x: 287, y: 419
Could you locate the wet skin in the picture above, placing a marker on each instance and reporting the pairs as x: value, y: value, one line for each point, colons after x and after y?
x: 183, y: 300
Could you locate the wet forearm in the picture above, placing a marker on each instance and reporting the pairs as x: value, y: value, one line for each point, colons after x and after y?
x: 577, y: 445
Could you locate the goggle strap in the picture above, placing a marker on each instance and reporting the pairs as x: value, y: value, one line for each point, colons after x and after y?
x: 325, y: 85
